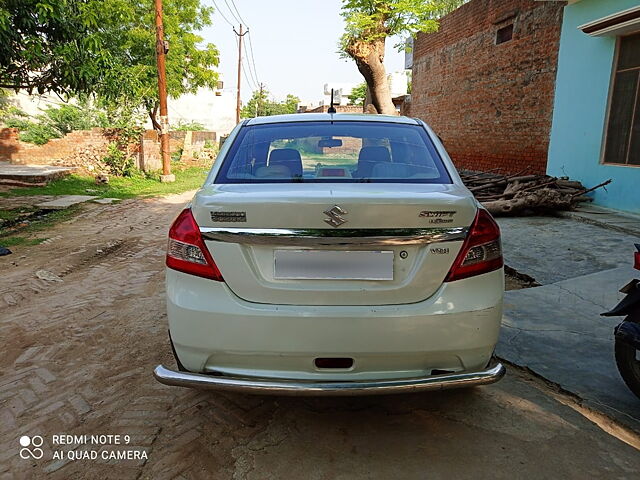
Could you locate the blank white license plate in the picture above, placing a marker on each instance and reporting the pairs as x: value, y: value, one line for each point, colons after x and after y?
x: 333, y: 265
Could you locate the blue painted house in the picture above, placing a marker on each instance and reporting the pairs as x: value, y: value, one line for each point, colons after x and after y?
x: 595, y: 133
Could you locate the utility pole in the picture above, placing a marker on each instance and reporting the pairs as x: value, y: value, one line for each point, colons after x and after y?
x: 240, y: 35
x: 161, y: 52
x: 258, y: 110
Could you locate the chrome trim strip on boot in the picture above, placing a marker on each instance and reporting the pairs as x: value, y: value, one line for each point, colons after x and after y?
x: 311, y: 237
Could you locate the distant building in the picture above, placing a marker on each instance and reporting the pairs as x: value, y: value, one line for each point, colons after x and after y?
x: 398, y: 82
x: 341, y: 92
x: 35, y: 104
x: 485, y: 82
x: 215, y: 110
x: 596, y: 120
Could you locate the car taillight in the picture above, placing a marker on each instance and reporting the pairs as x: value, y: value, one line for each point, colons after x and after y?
x: 481, y: 251
x: 636, y: 257
x: 186, y: 251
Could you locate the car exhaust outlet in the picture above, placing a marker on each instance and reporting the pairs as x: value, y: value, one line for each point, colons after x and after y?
x: 343, y: 363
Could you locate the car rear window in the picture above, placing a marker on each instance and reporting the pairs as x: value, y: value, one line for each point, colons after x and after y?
x: 338, y: 151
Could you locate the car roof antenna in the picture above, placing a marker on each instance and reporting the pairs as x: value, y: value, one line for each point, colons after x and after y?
x: 331, y: 109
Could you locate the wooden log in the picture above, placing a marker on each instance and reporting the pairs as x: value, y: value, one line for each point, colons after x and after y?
x: 525, y: 178
x: 544, y: 199
x: 569, y: 183
x: 594, y: 188
x: 582, y: 198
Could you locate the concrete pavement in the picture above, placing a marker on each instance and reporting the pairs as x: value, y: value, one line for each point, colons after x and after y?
x: 556, y: 329
x: 32, y: 173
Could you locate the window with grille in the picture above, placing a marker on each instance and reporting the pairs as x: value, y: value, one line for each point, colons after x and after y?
x: 504, y: 34
x: 623, y: 130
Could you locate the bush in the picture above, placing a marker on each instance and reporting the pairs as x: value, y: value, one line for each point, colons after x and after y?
x: 191, y: 126
x: 119, y: 163
x: 37, y: 133
x: 67, y: 118
x: 54, y: 122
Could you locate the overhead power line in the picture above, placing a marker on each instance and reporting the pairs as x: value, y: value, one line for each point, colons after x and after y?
x: 248, y: 80
x: 236, y: 9
x: 235, y: 17
x: 219, y: 10
x: 253, y: 60
x: 251, y: 71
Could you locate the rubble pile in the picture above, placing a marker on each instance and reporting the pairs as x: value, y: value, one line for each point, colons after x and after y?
x: 520, y: 194
x: 87, y: 159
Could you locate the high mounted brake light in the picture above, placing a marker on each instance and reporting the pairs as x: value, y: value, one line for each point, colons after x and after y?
x: 481, y: 251
x: 186, y: 251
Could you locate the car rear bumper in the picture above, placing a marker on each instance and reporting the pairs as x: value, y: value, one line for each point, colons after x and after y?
x: 214, y: 331
x: 287, y: 387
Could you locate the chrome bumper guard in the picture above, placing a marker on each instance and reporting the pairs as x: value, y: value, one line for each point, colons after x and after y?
x: 292, y: 387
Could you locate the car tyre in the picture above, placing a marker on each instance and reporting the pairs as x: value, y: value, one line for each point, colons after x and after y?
x: 628, y: 366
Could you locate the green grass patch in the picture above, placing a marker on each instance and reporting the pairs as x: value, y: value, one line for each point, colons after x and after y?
x: 20, y: 241
x: 189, y: 178
x: 11, y: 214
x: 25, y: 236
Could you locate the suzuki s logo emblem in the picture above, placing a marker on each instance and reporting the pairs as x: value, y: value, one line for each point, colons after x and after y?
x: 335, y: 216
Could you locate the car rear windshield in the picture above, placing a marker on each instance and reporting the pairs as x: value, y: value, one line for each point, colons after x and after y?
x: 338, y: 151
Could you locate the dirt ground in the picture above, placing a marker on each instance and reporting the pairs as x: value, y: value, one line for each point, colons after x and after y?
x: 78, y: 352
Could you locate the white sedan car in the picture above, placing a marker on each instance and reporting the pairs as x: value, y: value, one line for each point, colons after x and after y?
x: 333, y: 254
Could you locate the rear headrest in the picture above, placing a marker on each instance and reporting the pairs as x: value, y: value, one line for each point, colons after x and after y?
x: 287, y: 157
x: 374, y: 154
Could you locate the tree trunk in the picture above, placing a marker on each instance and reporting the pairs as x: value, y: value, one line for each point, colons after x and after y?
x: 152, y: 115
x: 369, y: 58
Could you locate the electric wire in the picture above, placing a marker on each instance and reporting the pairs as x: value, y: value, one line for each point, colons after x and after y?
x: 236, y: 9
x: 244, y: 72
x: 219, y: 10
x: 252, y: 66
x: 251, y: 71
x: 247, y: 63
x: 253, y: 59
x: 235, y: 17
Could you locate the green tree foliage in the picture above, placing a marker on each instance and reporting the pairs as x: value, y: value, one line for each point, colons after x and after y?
x: 257, y: 105
x: 370, y: 22
x: 190, y: 126
x: 190, y: 65
x: 44, y: 46
x: 53, y: 122
x: 104, y: 47
x: 260, y: 105
x: 358, y: 94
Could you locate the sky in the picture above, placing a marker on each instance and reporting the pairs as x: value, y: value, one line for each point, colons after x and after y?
x: 295, y: 45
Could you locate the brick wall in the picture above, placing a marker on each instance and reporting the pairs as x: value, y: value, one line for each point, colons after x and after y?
x: 55, y: 150
x: 491, y: 104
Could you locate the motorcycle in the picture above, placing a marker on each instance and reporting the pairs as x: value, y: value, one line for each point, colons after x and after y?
x: 627, y: 333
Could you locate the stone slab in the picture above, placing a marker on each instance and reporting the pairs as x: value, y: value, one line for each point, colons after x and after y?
x: 32, y: 173
x: 552, y: 249
x: 106, y: 201
x: 608, y: 218
x: 65, y: 202
x: 556, y: 330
